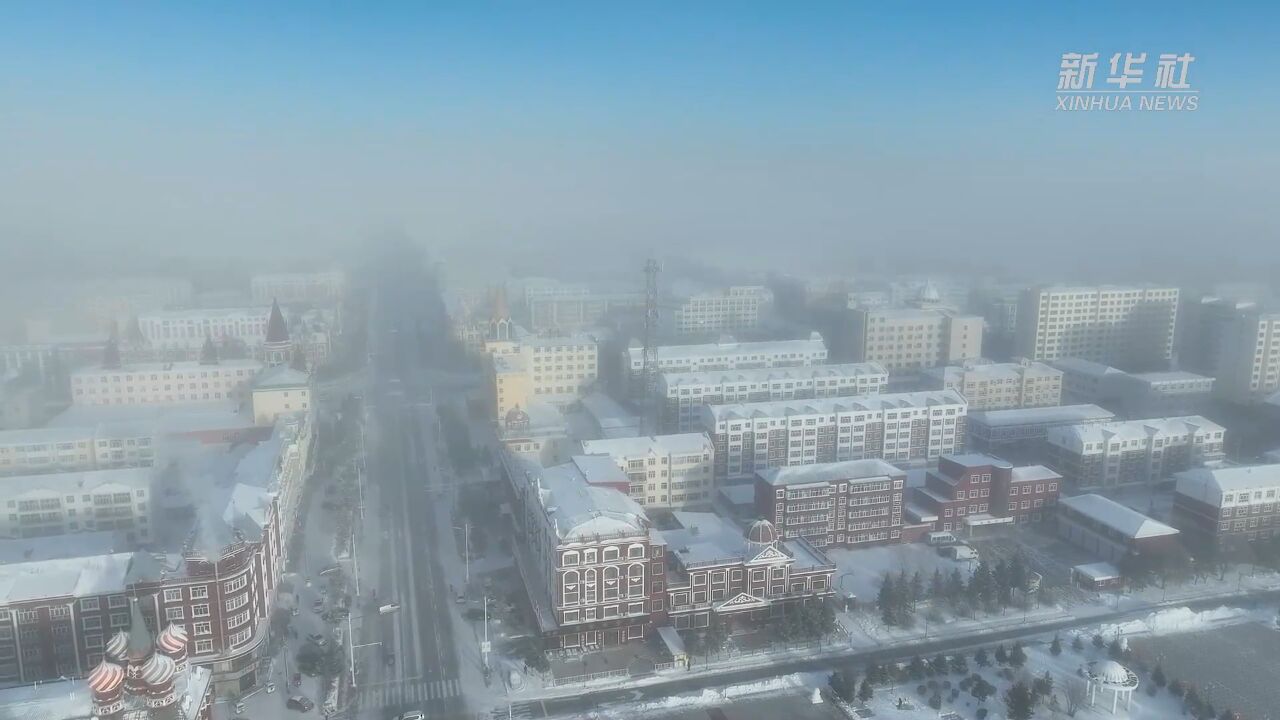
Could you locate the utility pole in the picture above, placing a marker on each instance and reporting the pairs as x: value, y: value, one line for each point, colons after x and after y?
x: 484, y: 647
x: 649, y: 369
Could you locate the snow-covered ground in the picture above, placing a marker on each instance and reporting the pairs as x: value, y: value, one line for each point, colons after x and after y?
x: 1063, y: 668
x: 861, y: 571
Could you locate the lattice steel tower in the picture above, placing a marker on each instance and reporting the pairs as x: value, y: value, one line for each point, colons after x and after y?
x: 649, y: 369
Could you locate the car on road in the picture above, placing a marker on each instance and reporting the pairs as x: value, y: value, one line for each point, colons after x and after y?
x: 389, y: 608
x: 317, y: 639
x: 411, y: 715
x: 299, y: 703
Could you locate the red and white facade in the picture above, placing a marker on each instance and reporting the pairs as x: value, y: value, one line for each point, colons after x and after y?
x: 855, y: 503
x: 972, y: 490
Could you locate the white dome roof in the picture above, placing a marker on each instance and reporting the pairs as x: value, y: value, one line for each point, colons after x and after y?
x: 1111, y: 672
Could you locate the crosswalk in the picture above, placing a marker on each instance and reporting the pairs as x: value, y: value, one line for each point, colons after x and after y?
x: 400, y: 693
x: 519, y: 711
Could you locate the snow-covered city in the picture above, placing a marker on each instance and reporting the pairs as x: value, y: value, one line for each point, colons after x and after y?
x: 662, y: 362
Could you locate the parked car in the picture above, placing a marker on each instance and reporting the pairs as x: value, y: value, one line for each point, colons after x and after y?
x: 270, y: 687
x: 318, y: 639
x: 299, y: 703
x: 958, y: 552
x: 412, y: 715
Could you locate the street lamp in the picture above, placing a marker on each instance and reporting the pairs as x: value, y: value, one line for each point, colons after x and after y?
x: 466, y: 552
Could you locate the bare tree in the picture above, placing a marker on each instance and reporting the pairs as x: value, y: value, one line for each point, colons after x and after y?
x: 1075, y: 692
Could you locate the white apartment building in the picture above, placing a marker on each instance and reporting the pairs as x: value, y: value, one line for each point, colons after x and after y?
x: 554, y: 370
x: 736, y: 308
x: 187, y: 329
x: 163, y: 383
x: 1134, y: 451
x: 1001, y: 386
x: 1130, y: 327
x: 897, y: 427
x: 684, y: 393
x: 325, y: 287
x: 56, y: 450
x: 729, y: 355
x: 89, y: 501
x: 1238, y: 344
x: 915, y: 338
x: 663, y: 470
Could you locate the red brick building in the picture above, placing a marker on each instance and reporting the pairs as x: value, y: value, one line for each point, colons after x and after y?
x: 1228, y: 508
x: 972, y: 490
x: 853, y: 503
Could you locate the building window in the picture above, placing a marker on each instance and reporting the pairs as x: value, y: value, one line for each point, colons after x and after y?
x: 173, y: 595
x: 204, y: 647
x: 89, y: 604
x: 174, y: 613
x: 201, y: 610
x: 199, y: 592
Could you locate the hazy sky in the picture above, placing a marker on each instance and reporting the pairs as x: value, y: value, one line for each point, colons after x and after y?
x: 804, y: 134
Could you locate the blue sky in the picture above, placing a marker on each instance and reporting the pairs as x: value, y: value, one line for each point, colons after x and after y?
x: 548, y: 125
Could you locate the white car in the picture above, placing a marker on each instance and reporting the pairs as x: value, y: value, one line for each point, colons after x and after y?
x: 412, y: 715
x: 389, y: 608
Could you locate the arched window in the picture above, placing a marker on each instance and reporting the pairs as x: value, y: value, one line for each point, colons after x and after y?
x: 611, y: 554
x: 635, y: 551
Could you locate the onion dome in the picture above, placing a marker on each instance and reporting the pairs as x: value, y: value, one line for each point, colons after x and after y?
x: 159, y: 670
x: 172, y: 640
x: 118, y: 645
x: 762, y: 532
x: 106, y: 678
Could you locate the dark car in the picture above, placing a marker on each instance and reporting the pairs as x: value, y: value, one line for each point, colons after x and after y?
x: 299, y: 703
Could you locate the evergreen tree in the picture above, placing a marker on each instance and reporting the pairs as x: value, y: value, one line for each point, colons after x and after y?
x: 955, y: 587
x: 1192, y: 702
x: 1229, y: 714
x: 1077, y: 644
x: 1055, y: 647
x: 1002, y: 656
x: 939, y: 664
x: 1115, y: 650
x: 981, y: 658
x: 917, y: 589
x: 916, y: 669
x: 866, y: 692
x: 1043, y: 685
x: 1098, y: 641
x: 298, y: 361
x: 937, y: 586
x: 885, y: 600
x: 1018, y: 573
x: 959, y: 665
x: 1019, y: 702
x: 208, y: 353
x: 1017, y: 656
x: 1157, y: 676
x: 843, y: 684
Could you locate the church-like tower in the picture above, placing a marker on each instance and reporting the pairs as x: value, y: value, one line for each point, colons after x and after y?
x: 278, y: 348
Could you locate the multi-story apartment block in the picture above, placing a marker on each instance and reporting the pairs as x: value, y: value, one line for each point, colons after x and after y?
x: 187, y: 329
x: 576, y: 311
x: 726, y: 356
x: 1021, y: 431
x: 1163, y: 394
x: 898, y: 427
x: 736, y: 308
x: 1133, y: 451
x: 1127, y: 326
x: 324, y: 287
x: 1088, y: 382
x: 716, y: 571
x: 55, y: 450
x: 974, y: 490
x: 554, y: 370
x: 163, y: 383
x: 1000, y: 386
x: 914, y: 338
x: 853, y: 503
x: 662, y: 470
x: 685, y: 392
x: 1228, y: 507
x: 74, y: 502
x: 1237, y: 343
x: 1110, y: 530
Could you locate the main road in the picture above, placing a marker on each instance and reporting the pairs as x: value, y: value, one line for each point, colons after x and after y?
x: 408, y: 656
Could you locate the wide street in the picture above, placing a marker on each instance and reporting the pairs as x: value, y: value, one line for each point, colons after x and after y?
x: 408, y: 656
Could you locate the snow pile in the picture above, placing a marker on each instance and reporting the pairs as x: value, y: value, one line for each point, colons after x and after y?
x: 1175, y: 620
x: 712, y: 697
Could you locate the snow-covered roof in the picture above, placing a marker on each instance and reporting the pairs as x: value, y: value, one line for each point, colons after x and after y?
x: 804, y: 373
x: 1188, y: 425
x: 1098, y: 571
x: 1209, y: 484
x: 1056, y: 414
x: 177, y: 366
x: 1033, y: 473
x: 608, y: 413
x: 992, y: 371
x: 1080, y: 366
x: 74, y: 577
x: 168, y: 419
x: 1126, y: 521
x: 56, y: 547
x: 578, y: 510
x: 848, y: 470
x: 976, y: 460
x: 70, y: 483
x: 599, y: 470
x: 705, y: 537
x: 1176, y: 376
x: 705, y: 351
x: 280, y: 376
x: 677, y: 444
x: 829, y: 406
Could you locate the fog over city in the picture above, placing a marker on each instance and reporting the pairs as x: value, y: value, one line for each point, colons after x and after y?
x: 436, y: 361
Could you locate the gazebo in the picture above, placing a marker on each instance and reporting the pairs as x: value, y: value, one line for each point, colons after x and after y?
x: 1110, y: 676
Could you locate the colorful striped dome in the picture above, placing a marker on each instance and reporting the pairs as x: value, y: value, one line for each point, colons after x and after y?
x: 106, y: 678
x: 118, y: 645
x: 172, y: 640
x: 158, y: 670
